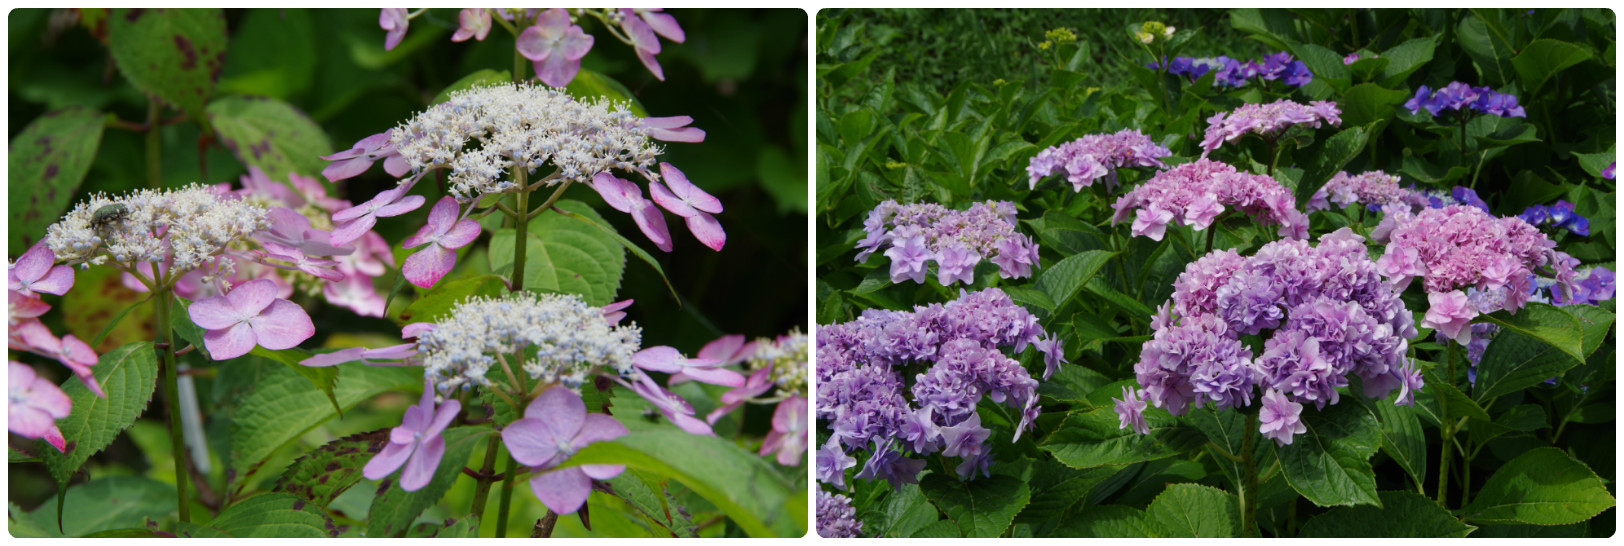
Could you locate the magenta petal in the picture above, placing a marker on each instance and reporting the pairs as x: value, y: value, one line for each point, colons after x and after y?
x: 251, y: 297
x: 658, y: 359
x: 34, y: 263
x: 56, y: 281
x: 691, y: 194
x: 334, y: 358
x: 716, y: 376
x: 642, y: 35
x: 284, y: 325
x: 652, y: 223
x: 392, y: 352
x: 404, y: 205
x: 707, y: 230
x: 669, y: 201
x: 396, y: 165
x: 560, y: 409
x: 229, y: 343
x: 386, y: 461
x: 442, y: 216
x: 530, y: 441
x: 689, y: 424
x: 420, y: 467
x: 615, y: 193
x: 575, y: 44
x: 347, y: 168
x: 427, y: 266
x: 602, y: 471
x: 464, y: 232
x: 532, y: 44
x: 562, y: 491
x: 213, y: 313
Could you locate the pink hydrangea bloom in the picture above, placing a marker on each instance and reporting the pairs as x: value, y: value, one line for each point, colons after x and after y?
x: 624, y: 196
x: 555, y: 426
x: 1450, y: 314
x: 1096, y: 156
x: 35, y: 405
x: 915, y: 234
x: 35, y: 271
x: 1280, y: 419
x: 666, y: 359
x: 250, y: 315
x: 555, y: 46
x: 24, y: 330
x: 1373, y: 188
x: 472, y: 23
x: 76, y: 355
x: 1196, y: 193
x: 1459, y: 247
x: 353, y: 222
x: 676, y: 410
x: 444, y: 234
x: 416, y: 444
x: 641, y: 25
x: 1266, y: 120
x: 395, y: 21
x: 695, y: 206
x: 673, y: 129
x: 360, y: 157
x: 788, y: 435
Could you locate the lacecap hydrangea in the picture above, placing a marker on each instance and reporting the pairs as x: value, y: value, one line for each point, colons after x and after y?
x: 917, y: 234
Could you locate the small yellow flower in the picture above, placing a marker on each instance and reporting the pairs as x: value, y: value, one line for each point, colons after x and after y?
x: 1000, y: 82
x: 894, y: 165
x: 1061, y: 35
x: 1044, y: 45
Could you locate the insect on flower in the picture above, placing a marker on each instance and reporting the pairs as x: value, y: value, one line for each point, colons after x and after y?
x: 106, y: 217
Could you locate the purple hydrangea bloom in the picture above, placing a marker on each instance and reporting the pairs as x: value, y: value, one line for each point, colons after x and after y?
x: 416, y: 443
x: 1373, y: 188
x: 1280, y: 419
x: 1611, y: 171
x: 1196, y: 193
x: 1266, y: 120
x: 1236, y: 73
x: 914, y: 235
x: 832, y: 464
x: 1460, y: 97
x: 836, y: 517
x: 555, y: 426
x: 1130, y: 410
x: 1097, y: 156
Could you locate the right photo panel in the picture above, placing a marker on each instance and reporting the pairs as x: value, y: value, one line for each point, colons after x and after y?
x: 1215, y: 273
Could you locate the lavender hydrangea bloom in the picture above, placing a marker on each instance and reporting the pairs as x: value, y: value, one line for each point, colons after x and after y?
x: 954, y: 352
x: 836, y: 517
x: 1130, y: 410
x: 1196, y: 193
x: 832, y: 464
x: 1373, y: 189
x: 1235, y: 73
x: 1266, y: 120
x: 1280, y: 419
x: 1460, y: 97
x: 1097, y: 156
x: 914, y: 235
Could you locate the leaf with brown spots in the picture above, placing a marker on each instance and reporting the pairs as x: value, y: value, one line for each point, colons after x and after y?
x: 270, y: 134
x: 278, y: 515
x: 128, y: 376
x: 49, y: 159
x: 328, y: 471
x: 97, y: 297
x: 173, y: 54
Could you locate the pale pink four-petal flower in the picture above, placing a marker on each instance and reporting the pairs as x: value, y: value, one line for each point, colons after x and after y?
x: 35, y: 271
x: 416, y: 443
x: 247, y: 316
x: 555, y: 47
x: 353, y: 222
x: 684, y: 199
x: 472, y: 23
x: 444, y: 234
x: 555, y: 426
x: 34, y: 406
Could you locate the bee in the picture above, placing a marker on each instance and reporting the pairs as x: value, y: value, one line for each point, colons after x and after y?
x: 106, y: 217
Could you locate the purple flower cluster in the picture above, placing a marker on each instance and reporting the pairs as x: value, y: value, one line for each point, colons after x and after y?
x: 1325, y: 314
x: 1097, y: 156
x: 1235, y: 73
x: 1427, y: 198
x: 1464, y: 98
x: 1374, y: 189
x: 1598, y: 285
x: 1457, y: 247
x: 863, y: 397
x: 1266, y: 120
x: 836, y: 517
x: 915, y: 235
x: 1195, y: 194
x: 1560, y: 215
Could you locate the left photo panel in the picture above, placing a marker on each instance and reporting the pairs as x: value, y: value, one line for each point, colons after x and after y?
x: 407, y: 273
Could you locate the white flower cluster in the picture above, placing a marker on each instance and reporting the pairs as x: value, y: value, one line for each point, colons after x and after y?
x: 562, y: 338
x: 787, y: 356
x: 189, y: 226
x: 479, y: 133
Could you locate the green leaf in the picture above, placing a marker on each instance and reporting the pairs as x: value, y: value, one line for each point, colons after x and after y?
x: 1187, y: 510
x: 940, y: 529
x: 1104, y: 521
x: 128, y: 375
x: 1543, y: 58
x: 741, y: 484
x: 466, y: 527
x: 1404, y: 59
x: 1065, y: 278
x: 1365, y: 103
x: 174, y: 54
x: 273, y: 53
x: 394, y: 509
x: 1544, y: 322
x: 1327, y: 158
x: 589, y: 83
x: 1514, y: 361
x: 565, y: 255
x: 114, y: 502
x: 1543, y: 486
x: 903, y: 513
x: 630, y: 246
x: 270, y: 134
x: 1126, y: 303
x: 1056, y: 488
x: 324, y: 378
x: 1594, y: 323
x: 438, y: 301
x: 1490, y: 55
x: 48, y: 160
x: 644, y: 495
x: 1330, y: 463
x: 1402, y: 438
x: 1093, y: 438
x: 483, y: 77
x: 983, y: 507
x: 1402, y: 514
x: 283, y: 406
x: 1326, y: 65
x: 278, y: 515
x: 328, y: 471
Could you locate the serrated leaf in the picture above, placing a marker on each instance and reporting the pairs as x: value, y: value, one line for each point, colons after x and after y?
x: 114, y: 502
x: 1104, y: 521
x: 394, y: 509
x: 270, y: 134
x: 1367, y: 102
x: 438, y: 301
x: 1405, y: 58
x: 1056, y: 488
x: 1093, y: 438
x: 466, y: 527
x: 1194, y: 511
x: 1402, y: 514
x: 981, y: 508
x: 328, y: 471
x: 1328, y: 158
x: 741, y: 484
x: 128, y: 375
x: 1544, y: 322
x: 48, y: 160
x: 1543, y: 58
x: 98, y: 296
x: 903, y: 513
x: 174, y: 54
x: 1330, y: 463
x: 1543, y: 486
x: 1513, y: 362
x: 645, y: 496
x: 1491, y: 55
x: 565, y: 255
x: 1402, y: 438
x: 1064, y: 279
x: 283, y: 406
x: 629, y: 246
x: 274, y: 515
x: 1594, y: 323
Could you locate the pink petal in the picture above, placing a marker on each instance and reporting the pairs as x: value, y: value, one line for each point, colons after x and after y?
x: 396, y: 165
x: 386, y: 461
x: 34, y: 263
x: 724, y: 348
x: 652, y: 223
x: 597, y: 427
x: 57, y: 281
x: 532, y: 44
x: 642, y: 35
x: 668, y: 122
x: 689, y: 424
x: 414, y: 421
x: 691, y: 194
x: 443, y: 416
x: 653, y: 66
x: 715, y: 376
x: 530, y: 441
x: 348, y: 232
x: 284, y: 325
x: 619, y: 194
x: 562, y: 491
x: 213, y: 313
x: 416, y: 329
x: 707, y: 230
x: 54, y: 437
x: 665, y: 25
x: 427, y: 266
x: 347, y: 168
x: 24, y: 306
x: 420, y: 467
x: 442, y: 216
x: 251, y: 297
x: 229, y: 343
x: 334, y: 358
x: 575, y: 44
x: 602, y: 471
x: 659, y: 359
x: 669, y: 201
x: 560, y: 409
x: 464, y: 232
x: 404, y: 205
x: 28, y: 421
x: 392, y: 352
x: 557, y: 70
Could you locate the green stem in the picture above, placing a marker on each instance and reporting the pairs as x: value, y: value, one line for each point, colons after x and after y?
x: 483, y: 490
x: 1445, y: 433
x: 521, y: 237
x: 177, y: 441
x: 154, y: 143
x: 519, y: 73
x: 507, y: 498
x: 1249, y: 484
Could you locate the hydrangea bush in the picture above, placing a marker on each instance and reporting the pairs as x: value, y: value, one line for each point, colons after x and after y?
x: 450, y: 345
x: 1361, y: 285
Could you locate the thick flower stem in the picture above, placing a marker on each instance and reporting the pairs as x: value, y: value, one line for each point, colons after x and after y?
x: 1248, y: 496
x: 483, y: 490
x: 521, y: 237
x: 507, y: 497
x: 177, y: 442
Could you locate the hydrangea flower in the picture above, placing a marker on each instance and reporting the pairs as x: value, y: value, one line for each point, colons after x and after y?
x: 1463, y: 98
x: 1196, y: 193
x: 444, y: 233
x: 555, y: 426
x: 250, y: 315
x: 1235, y: 73
x: 1324, y: 312
x: 914, y: 235
x: 34, y: 406
x: 555, y: 46
x: 360, y: 157
x: 1559, y: 215
x: 832, y: 462
x: 836, y: 517
x: 394, y: 21
x: 458, y: 350
x: 1266, y: 120
x: 1374, y: 189
x: 35, y: 271
x: 551, y: 39
x: 788, y: 435
x: 954, y: 352
x: 472, y: 23
x: 183, y: 229
x: 1280, y: 419
x: 416, y: 444
x: 355, y: 222
x: 1093, y: 157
